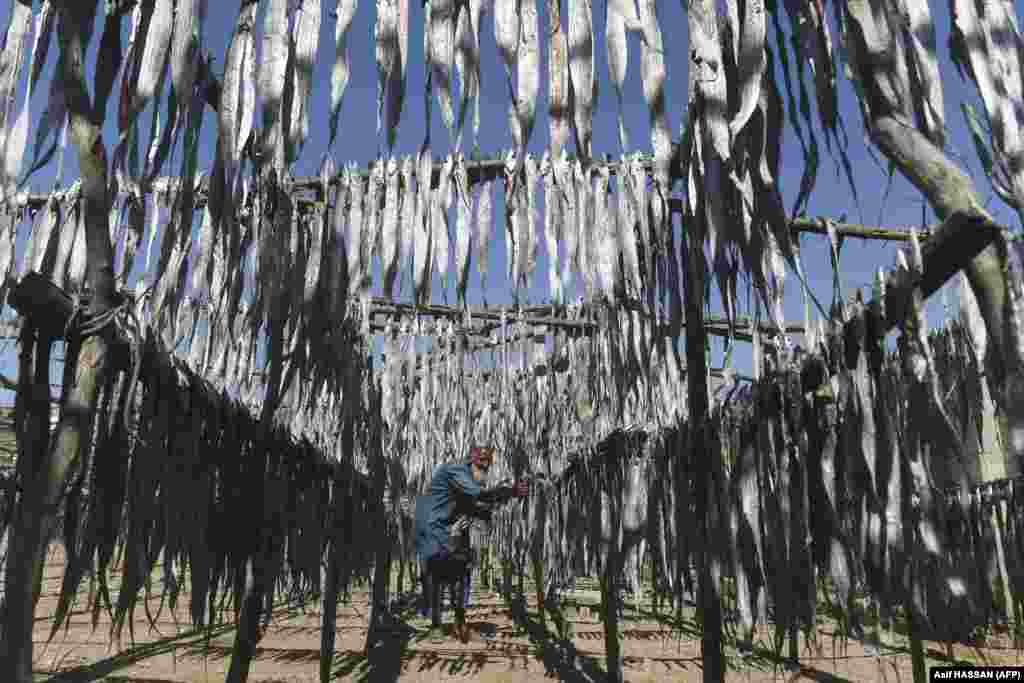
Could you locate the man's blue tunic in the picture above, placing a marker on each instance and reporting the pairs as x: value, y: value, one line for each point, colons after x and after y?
x: 443, y: 515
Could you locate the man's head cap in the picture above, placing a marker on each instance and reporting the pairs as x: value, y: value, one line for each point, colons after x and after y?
x: 482, y: 455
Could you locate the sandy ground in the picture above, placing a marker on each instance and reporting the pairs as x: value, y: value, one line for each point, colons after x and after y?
x: 514, y: 649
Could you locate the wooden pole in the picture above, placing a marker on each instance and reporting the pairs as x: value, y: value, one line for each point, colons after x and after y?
x: 712, y: 655
x: 43, y: 490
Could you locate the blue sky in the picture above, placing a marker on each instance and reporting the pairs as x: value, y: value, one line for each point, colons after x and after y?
x: 897, y: 204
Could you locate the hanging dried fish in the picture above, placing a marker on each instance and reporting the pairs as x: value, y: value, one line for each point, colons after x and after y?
x: 339, y: 267
x: 627, y: 210
x: 463, y: 228
x: 16, y: 139
x: 751, y: 60
x: 513, y: 216
x: 528, y: 76
x: 51, y: 123
x: 78, y: 256
x: 44, y: 238
x: 581, y: 72
x: 318, y: 239
x: 306, y: 41
x: 970, y: 317
x: 396, y: 84
x: 568, y: 227
x: 584, y: 229
x: 422, y: 244
x: 440, y: 203
x: 238, y: 102
x: 605, y: 237
x: 507, y: 33
x: 467, y: 65
x: 272, y: 75
x: 390, y: 235
x: 617, y: 14
x: 204, y: 256
x: 530, y: 238
x: 11, y: 60
x: 356, y: 230
x: 484, y: 220
x: 371, y: 230
x: 706, y: 76
x: 553, y: 219
x: 41, y: 45
x: 189, y: 16
x: 386, y: 41
x: 407, y: 214
x: 135, y: 210
x: 154, y: 52
x: 345, y: 12
x: 133, y: 58
x: 986, y: 44
x: 442, y: 56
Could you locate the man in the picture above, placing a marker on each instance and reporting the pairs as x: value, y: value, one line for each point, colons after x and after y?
x: 443, y: 518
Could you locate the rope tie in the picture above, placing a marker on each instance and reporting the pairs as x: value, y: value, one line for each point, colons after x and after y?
x: 124, y: 323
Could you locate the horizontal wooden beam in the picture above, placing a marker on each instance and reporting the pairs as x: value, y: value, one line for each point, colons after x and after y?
x: 951, y: 247
x: 819, y: 225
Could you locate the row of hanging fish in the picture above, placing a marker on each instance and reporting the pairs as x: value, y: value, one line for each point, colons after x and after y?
x: 524, y: 380
x: 833, y: 446
x: 173, y: 494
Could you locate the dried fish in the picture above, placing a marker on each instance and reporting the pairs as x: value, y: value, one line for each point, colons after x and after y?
x: 970, y: 317
x: 571, y: 190
x: 386, y: 40
x: 345, y: 12
x: 272, y: 75
x: 407, y: 214
x: 79, y: 254
x: 617, y: 13
x: 422, y: 243
x: 530, y: 238
x: 986, y: 44
x: 317, y: 242
x: 306, y: 42
x: 390, y: 236
x: 356, y: 230
x: 585, y: 229
x: 553, y: 219
x: 204, y: 259
x: 484, y: 222
x: 581, y: 72
x: 44, y: 238
x: 463, y: 228
x: 528, y: 76
x: 41, y: 45
x: 189, y: 16
x: 371, y: 230
x: 396, y: 84
x: 627, y: 220
x: 340, y: 267
x: 238, y: 102
x: 513, y: 217
x: 440, y: 203
x: 11, y: 59
x: 154, y: 52
x: 442, y: 56
x: 135, y: 209
x: 751, y: 60
x: 467, y: 66
x: 605, y: 249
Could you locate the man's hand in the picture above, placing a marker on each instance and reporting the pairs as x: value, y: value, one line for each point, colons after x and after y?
x: 521, y: 489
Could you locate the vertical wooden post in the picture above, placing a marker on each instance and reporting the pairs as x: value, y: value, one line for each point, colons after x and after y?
x: 43, y: 491
x: 703, y: 459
